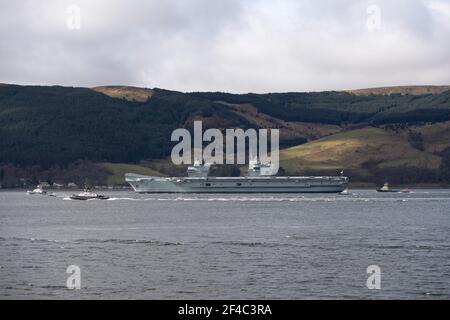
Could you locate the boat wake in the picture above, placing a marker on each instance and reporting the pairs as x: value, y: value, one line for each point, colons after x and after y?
x: 118, y: 198
x: 348, y: 198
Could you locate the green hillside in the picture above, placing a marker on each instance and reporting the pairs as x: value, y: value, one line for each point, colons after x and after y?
x: 405, y: 155
x: 342, y: 107
x: 354, y: 149
x: 71, y: 134
x: 58, y: 125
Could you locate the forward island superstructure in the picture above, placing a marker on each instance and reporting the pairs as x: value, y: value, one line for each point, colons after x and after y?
x: 259, y: 180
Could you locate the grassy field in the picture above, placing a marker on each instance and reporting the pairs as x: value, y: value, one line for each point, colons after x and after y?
x: 352, y: 149
x: 118, y: 171
x: 413, y: 90
x: 125, y: 92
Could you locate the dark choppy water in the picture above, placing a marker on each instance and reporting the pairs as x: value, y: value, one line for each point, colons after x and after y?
x: 226, y: 246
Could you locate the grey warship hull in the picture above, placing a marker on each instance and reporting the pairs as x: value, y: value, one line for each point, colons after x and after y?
x: 261, y: 184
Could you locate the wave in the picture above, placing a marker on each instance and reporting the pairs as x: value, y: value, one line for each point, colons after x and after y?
x: 88, y: 240
x: 249, y: 243
x: 145, y: 242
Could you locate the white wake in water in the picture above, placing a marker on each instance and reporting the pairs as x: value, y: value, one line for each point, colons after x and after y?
x: 276, y: 199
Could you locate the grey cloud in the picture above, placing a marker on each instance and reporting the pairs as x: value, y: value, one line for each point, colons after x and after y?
x: 237, y: 46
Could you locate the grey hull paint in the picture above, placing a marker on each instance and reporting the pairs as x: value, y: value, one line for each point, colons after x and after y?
x: 148, y: 184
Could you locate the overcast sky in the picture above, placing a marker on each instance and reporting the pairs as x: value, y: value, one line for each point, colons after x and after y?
x: 226, y: 45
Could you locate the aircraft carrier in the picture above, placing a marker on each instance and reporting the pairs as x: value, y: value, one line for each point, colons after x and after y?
x: 258, y: 180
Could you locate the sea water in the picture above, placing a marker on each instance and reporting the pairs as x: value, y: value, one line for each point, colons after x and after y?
x: 218, y: 246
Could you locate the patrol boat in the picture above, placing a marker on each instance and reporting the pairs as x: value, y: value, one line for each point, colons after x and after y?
x: 258, y: 180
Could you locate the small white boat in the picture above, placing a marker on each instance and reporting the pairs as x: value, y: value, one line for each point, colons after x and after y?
x: 37, y: 190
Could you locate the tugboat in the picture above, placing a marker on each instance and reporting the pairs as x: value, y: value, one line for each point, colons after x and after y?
x: 87, y: 194
x: 386, y: 188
